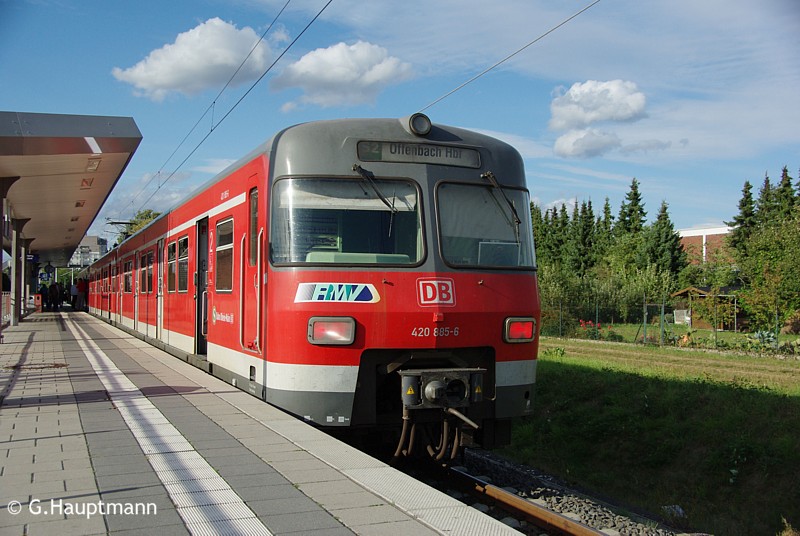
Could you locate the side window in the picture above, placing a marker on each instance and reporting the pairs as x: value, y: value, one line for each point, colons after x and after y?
x: 128, y: 276
x: 183, y: 264
x: 143, y: 274
x: 150, y: 272
x: 253, y: 227
x: 172, y: 268
x: 224, y: 256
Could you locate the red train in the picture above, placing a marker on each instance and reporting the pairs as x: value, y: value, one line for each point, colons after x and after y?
x: 364, y: 273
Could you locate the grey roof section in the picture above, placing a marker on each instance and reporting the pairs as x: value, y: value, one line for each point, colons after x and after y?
x: 67, y: 166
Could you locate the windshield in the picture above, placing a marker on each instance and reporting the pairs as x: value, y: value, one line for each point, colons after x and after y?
x: 479, y: 227
x: 345, y: 221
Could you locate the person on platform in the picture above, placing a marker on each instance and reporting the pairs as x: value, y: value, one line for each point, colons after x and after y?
x: 73, y: 295
x: 54, y: 293
x: 82, y: 288
x: 45, y: 293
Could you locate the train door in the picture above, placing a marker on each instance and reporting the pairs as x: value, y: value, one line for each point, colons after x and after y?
x: 113, y: 297
x: 143, y: 296
x: 105, y: 296
x: 250, y: 295
x: 201, y: 287
x: 119, y: 290
x: 150, y: 300
x: 136, y: 289
x: 159, y: 288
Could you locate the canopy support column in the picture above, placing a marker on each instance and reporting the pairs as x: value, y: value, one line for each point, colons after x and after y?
x: 5, y: 185
x: 17, y: 271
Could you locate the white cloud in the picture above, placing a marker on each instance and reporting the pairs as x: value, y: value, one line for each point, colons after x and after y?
x: 591, y: 172
x: 646, y: 146
x: 592, y: 101
x: 343, y: 74
x: 202, y: 58
x: 586, y: 143
x: 569, y: 203
x: 527, y: 147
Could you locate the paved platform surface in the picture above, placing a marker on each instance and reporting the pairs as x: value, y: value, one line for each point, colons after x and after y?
x: 101, y: 433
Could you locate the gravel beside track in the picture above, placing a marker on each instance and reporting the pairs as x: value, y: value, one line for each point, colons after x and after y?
x: 546, y: 491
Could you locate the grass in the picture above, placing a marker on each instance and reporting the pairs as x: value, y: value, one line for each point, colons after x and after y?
x: 717, y: 434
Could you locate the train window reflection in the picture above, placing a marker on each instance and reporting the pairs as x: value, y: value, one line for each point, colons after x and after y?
x: 183, y: 264
x: 344, y: 221
x: 478, y: 226
x: 224, y: 256
x: 172, y: 270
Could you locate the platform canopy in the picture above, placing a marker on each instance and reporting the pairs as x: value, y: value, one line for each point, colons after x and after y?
x: 56, y: 171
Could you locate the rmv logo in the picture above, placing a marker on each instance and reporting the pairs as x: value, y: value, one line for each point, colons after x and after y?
x: 436, y: 292
x: 336, y: 292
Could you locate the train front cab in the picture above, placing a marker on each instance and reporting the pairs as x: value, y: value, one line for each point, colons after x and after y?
x: 392, y: 276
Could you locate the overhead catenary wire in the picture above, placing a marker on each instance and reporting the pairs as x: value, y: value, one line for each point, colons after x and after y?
x: 212, y: 105
x: 548, y: 32
x: 283, y: 53
x: 236, y: 104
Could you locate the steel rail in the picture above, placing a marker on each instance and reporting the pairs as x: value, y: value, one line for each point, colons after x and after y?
x: 538, y: 515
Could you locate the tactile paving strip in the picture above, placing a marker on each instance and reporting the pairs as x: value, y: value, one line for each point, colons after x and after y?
x: 212, y: 509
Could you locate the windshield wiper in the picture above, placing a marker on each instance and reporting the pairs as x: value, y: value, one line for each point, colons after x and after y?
x: 370, y: 178
x: 489, y: 176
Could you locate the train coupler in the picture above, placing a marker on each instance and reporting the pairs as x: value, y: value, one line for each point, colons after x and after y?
x: 441, y: 388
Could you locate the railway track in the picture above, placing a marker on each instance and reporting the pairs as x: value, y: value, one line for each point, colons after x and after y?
x: 532, y: 503
x: 519, y: 507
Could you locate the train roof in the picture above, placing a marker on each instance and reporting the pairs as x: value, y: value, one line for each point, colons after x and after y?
x: 334, y: 141
x: 332, y: 134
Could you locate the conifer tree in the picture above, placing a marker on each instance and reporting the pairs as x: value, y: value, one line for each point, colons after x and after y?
x: 579, y: 250
x: 744, y: 222
x: 631, y: 212
x: 784, y: 195
x: 588, y: 232
x: 537, y: 225
x: 662, y: 245
x: 560, y: 233
x: 551, y: 240
x: 603, y: 232
x: 766, y: 204
x: 547, y: 238
x: 607, y: 222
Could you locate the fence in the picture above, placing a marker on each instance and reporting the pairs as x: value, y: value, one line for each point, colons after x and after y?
x: 650, y: 321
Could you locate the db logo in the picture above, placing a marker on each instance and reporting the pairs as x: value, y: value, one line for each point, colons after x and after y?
x: 436, y: 292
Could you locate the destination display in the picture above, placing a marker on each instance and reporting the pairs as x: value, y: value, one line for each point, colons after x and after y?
x: 418, y: 153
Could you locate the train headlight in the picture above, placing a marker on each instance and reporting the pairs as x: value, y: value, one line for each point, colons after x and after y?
x: 519, y: 329
x: 335, y: 330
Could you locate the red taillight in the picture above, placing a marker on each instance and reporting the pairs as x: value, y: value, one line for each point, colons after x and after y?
x: 520, y: 329
x: 331, y: 330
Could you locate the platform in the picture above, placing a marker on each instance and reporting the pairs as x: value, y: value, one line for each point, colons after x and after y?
x: 101, y: 433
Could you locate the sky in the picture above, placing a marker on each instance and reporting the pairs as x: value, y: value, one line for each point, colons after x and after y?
x: 691, y: 98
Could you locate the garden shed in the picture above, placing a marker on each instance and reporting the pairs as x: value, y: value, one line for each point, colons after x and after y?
x: 708, y: 308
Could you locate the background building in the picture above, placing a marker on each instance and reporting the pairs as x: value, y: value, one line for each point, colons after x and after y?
x: 88, y: 251
x: 704, y: 244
